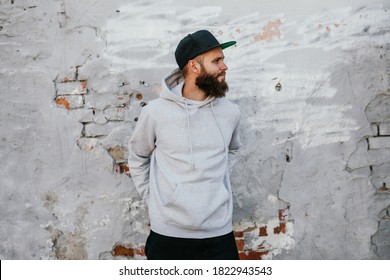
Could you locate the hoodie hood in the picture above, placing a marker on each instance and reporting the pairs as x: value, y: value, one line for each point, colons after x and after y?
x: 176, y: 79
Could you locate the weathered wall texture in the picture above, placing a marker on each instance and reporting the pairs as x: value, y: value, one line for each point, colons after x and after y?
x: 311, y: 79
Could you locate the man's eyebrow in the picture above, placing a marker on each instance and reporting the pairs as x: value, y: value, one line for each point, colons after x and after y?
x: 219, y: 58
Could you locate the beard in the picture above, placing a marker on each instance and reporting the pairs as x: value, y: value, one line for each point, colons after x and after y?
x: 210, y: 85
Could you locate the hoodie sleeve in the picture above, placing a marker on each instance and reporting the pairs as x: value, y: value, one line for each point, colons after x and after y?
x: 141, y: 146
x: 234, y: 146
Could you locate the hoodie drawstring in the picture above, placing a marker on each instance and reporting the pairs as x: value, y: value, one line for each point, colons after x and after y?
x: 220, y: 130
x: 189, y: 136
x: 189, y: 133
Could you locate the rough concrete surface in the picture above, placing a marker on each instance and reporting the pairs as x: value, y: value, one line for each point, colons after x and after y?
x: 311, y: 79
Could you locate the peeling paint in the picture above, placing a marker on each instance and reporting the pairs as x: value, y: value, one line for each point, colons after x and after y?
x: 256, y: 242
x: 270, y: 31
x: 118, y: 153
x: 312, y: 85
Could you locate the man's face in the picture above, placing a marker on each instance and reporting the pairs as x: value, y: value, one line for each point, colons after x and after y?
x: 214, y: 64
x: 213, y: 71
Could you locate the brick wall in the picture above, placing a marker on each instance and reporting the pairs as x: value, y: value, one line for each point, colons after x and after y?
x: 312, y: 179
x: 378, y: 154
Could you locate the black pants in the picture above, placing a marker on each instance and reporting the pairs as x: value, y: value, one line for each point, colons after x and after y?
x: 161, y: 247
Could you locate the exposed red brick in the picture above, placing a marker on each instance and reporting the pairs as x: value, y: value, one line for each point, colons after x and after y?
x: 240, y: 244
x: 120, y: 250
x: 122, y: 168
x: 252, y: 255
x: 280, y: 228
x: 263, y: 231
x: 238, y: 234
x: 63, y: 102
x: 125, y: 168
x: 281, y: 215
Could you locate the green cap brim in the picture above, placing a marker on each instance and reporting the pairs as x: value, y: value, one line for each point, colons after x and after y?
x: 228, y: 44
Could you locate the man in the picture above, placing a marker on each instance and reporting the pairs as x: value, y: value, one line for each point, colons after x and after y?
x: 180, y: 152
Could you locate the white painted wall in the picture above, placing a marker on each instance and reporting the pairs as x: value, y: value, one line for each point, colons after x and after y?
x: 312, y: 170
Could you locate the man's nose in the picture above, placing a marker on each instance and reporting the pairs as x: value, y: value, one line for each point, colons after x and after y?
x: 224, y: 66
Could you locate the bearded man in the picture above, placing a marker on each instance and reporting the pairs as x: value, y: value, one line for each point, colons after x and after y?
x: 181, y: 152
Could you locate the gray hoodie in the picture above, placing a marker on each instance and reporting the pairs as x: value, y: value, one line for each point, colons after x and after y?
x: 179, y: 158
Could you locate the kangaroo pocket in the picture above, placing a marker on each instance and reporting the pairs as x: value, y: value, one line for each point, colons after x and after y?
x: 199, y: 206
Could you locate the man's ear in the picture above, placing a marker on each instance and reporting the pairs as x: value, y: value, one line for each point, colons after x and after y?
x: 194, y: 66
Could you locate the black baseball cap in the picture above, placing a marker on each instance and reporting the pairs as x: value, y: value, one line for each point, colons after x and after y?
x: 195, y: 44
